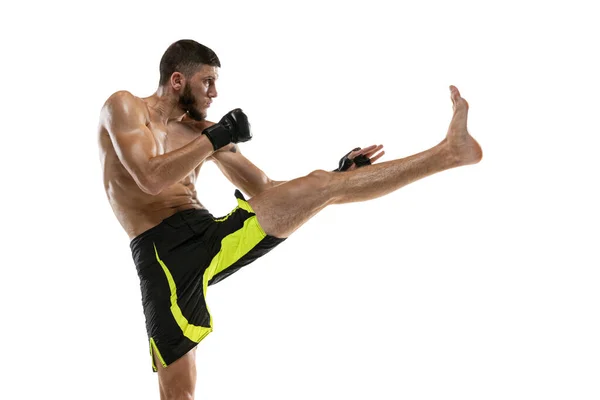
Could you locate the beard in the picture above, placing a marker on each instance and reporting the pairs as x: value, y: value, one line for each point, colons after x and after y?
x: 187, y: 101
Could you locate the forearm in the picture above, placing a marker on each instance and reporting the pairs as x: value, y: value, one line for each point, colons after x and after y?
x: 170, y: 168
x: 257, y: 188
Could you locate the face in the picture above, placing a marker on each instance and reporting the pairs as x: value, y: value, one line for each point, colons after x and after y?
x: 199, y: 91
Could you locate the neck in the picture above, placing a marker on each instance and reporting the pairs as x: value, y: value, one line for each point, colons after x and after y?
x: 166, y: 105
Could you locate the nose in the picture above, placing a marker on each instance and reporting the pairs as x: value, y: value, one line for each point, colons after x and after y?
x: 212, y: 91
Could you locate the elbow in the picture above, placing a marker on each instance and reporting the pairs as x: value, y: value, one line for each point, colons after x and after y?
x: 257, y: 187
x: 151, y: 190
x: 149, y: 186
x: 271, y: 183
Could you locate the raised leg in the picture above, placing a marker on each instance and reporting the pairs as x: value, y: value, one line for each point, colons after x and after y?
x: 284, y: 208
x: 178, y: 380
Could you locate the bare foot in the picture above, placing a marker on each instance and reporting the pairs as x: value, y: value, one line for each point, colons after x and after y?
x: 462, y: 145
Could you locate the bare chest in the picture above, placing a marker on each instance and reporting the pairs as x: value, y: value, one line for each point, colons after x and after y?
x: 171, y: 137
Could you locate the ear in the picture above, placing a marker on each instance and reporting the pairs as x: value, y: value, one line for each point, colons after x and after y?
x: 177, y: 80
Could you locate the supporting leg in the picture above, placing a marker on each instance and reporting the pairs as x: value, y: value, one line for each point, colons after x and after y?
x: 178, y: 380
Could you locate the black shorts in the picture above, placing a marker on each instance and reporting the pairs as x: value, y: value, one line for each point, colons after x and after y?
x: 178, y: 259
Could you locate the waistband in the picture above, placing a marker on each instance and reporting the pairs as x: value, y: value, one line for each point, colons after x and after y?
x: 174, y: 220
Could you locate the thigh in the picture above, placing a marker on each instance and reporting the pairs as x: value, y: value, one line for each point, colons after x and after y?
x: 283, y: 209
x: 239, y: 241
x: 178, y: 380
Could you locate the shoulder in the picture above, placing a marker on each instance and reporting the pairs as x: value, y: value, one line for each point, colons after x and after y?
x: 124, y: 105
x: 122, y: 98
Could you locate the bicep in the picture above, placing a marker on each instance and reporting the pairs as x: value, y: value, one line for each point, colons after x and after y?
x: 132, y: 140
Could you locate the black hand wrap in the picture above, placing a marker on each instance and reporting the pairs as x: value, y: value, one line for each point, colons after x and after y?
x: 232, y: 128
x: 345, y: 163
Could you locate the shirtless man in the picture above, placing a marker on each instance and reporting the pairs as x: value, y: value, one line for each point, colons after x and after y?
x: 151, y: 151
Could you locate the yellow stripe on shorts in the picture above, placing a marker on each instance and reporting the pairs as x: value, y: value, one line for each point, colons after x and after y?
x: 191, y: 331
x: 233, y: 247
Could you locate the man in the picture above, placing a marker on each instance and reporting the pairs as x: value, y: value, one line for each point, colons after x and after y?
x: 152, y: 150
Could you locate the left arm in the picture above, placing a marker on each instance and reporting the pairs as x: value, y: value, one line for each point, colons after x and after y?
x: 241, y: 172
x: 252, y: 180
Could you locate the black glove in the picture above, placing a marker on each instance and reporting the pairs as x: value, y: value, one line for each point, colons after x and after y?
x: 232, y: 128
x: 361, y: 160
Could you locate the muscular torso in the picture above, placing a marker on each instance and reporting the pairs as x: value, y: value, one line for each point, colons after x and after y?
x: 136, y: 210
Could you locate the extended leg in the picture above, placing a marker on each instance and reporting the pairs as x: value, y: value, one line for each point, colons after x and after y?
x: 284, y: 208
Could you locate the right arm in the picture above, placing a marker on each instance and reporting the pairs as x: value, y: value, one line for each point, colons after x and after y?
x: 137, y: 150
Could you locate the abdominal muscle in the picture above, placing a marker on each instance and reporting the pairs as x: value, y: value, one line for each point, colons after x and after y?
x: 138, y: 211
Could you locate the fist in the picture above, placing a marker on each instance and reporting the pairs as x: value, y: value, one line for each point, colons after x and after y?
x: 232, y: 128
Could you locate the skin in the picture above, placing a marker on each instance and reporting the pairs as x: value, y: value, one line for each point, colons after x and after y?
x: 152, y: 150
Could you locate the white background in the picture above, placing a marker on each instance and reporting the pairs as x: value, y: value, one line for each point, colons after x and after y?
x: 477, y: 283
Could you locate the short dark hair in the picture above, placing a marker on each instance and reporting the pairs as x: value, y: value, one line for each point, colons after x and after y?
x: 185, y: 56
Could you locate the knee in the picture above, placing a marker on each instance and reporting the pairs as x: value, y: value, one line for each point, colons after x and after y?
x: 319, y: 179
x: 180, y: 396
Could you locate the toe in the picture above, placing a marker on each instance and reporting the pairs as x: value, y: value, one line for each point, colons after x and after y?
x: 454, y: 93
